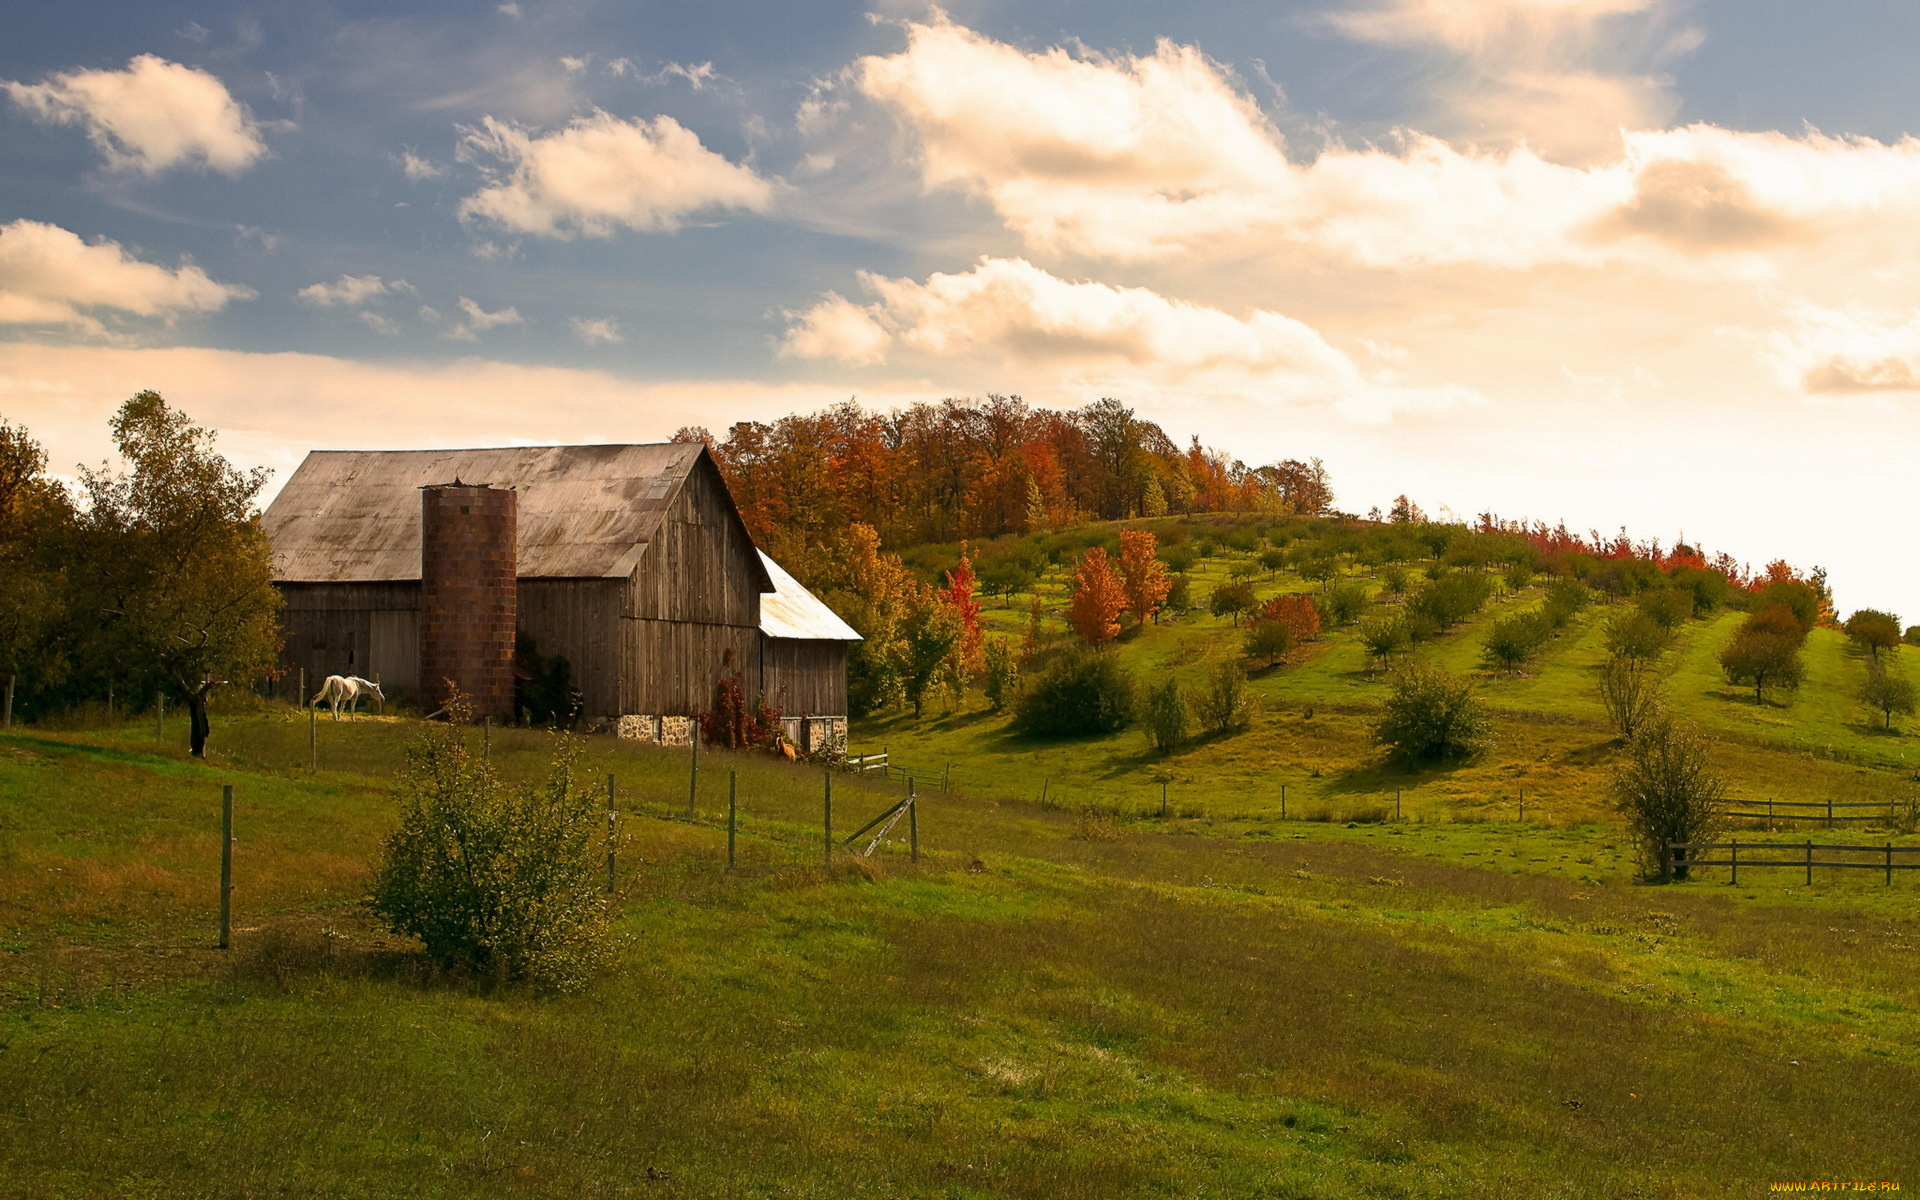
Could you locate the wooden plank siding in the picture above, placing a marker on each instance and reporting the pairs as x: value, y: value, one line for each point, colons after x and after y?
x: 579, y: 620
x: 804, y: 678
x: 365, y: 629
x: 693, y: 604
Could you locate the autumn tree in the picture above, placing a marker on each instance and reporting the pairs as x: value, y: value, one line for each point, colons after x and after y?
x: 1298, y: 613
x: 966, y: 607
x: 1144, y: 575
x: 1232, y: 600
x: 1765, y: 652
x: 1887, y: 693
x: 34, y: 514
x: 1098, y: 598
x: 172, y: 558
x: 1668, y: 792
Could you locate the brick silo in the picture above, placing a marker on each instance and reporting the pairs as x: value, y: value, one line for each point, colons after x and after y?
x: 468, y: 595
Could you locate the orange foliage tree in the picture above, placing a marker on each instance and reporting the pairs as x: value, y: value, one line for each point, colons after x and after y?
x: 960, y: 594
x: 1098, y: 598
x: 1146, y: 578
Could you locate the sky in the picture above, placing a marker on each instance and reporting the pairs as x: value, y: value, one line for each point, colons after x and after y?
x: 1640, y: 263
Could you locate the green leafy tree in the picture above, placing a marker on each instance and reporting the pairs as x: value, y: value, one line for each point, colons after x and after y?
x: 1224, y: 706
x: 1082, y: 692
x: 1343, y: 605
x: 1394, y: 578
x: 1762, y: 654
x: 1669, y: 792
x: 1002, y: 675
x: 1888, y: 693
x: 1233, y: 600
x: 1634, y: 634
x: 35, y: 519
x: 1385, y: 637
x: 495, y: 878
x: 1168, y: 717
x: 1513, y: 641
x: 1873, y: 631
x: 1451, y: 598
x: 1667, y: 607
x: 172, y: 560
x: 1432, y: 716
x: 1270, y: 640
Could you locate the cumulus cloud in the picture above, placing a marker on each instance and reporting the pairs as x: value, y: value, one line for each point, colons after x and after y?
x: 349, y: 290
x: 1096, y: 333
x: 479, y: 320
x: 596, y: 330
x: 1564, y: 76
x: 1135, y: 157
x: 48, y: 276
x: 417, y: 168
x: 600, y: 174
x: 151, y: 116
x: 1848, y: 351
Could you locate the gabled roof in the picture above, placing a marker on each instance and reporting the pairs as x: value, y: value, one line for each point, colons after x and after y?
x: 791, y: 611
x: 586, y: 512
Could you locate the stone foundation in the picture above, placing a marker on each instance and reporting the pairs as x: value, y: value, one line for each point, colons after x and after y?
x: 661, y: 731
x: 814, y: 736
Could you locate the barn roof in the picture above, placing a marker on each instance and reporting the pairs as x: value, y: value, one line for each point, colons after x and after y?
x: 791, y: 611
x: 586, y: 512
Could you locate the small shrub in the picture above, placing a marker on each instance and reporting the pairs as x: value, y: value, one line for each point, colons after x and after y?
x: 1083, y: 692
x: 1002, y: 675
x: 503, y: 880
x: 1669, y: 793
x: 1452, y: 597
x: 1630, y: 692
x: 1430, y: 715
x: 1224, y: 706
x: 1516, y: 576
x: 1887, y: 693
x: 1634, y: 634
x: 1395, y: 579
x: 1667, y: 607
x: 1167, y: 716
x: 1565, y: 597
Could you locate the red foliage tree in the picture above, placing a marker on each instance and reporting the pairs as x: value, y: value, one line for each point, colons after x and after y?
x: 1146, y: 578
x: 960, y: 594
x: 1297, y: 613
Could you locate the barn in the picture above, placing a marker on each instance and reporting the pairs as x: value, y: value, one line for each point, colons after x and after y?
x: 418, y: 567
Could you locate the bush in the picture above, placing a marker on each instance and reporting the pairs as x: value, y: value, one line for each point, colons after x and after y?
x: 1167, y: 716
x: 1668, y: 793
x: 1385, y: 637
x: 1394, y: 579
x: 1668, y: 607
x: 1565, y: 597
x: 1344, y: 604
x: 1083, y: 692
x: 1874, y: 631
x: 1452, y: 597
x: 1517, y: 575
x: 1630, y: 692
x: 1514, y: 640
x: 1431, y: 715
x: 1179, y: 596
x: 1269, y: 640
x: 1233, y: 599
x: 1224, y: 705
x: 500, y: 879
x: 1002, y: 675
x: 1179, y: 558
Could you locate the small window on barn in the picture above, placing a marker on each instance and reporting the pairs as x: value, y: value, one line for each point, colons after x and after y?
x: 463, y: 510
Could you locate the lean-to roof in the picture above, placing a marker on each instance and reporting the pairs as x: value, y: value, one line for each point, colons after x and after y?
x: 791, y: 611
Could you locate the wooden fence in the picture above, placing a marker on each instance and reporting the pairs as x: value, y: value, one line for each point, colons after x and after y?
x: 1816, y: 810
x: 882, y: 764
x: 1803, y: 860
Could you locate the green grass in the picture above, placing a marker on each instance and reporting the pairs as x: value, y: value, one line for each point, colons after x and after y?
x: 1049, y: 1004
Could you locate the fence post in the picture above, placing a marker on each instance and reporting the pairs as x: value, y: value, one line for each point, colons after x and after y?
x: 1283, y: 802
x: 1735, y: 860
x: 301, y: 699
x: 313, y: 739
x: 731, y: 808
x: 1044, y: 784
x: 226, y: 863
x: 159, y: 718
x: 1769, y: 814
x: 612, y: 830
x: 1809, y: 862
x: 486, y: 737
x: 693, y: 770
x: 1523, y: 804
x: 1829, y: 812
x: 1889, y: 864
x: 913, y: 829
x: 1666, y: 859
x: 827, y: 817
x: 1163, y: 799
x: 1396, y: 804
x: 7, y: 721
x: 946, y: 780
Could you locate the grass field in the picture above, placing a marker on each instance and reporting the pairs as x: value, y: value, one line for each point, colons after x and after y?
x: 1050, y: 1003
x: 1309, y: 975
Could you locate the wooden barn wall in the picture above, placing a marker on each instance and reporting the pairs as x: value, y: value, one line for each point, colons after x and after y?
x: 693, y: 599
x: 804, y: 678
x: 579, y: 620
x: 365, y: 629
x: 674, y: 666
x: 700, y: 565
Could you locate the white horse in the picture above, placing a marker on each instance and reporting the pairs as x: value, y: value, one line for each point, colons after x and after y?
x: 347, y: 690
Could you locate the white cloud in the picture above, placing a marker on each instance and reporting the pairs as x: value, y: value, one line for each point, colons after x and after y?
x: 573, y: 63
x: 347, y: 290
x: 48, y: 276
x: 379, y: 324
x: 510, y: 10
x: 417, y: 168
x: 479, y: 320
x: 596, y: 330
x: 1095, y: 336
x: 151, y: 116
x: 1162, y: 156
x: 600, y: 174
x: 1848, y: 351
x: 1564, y: 76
